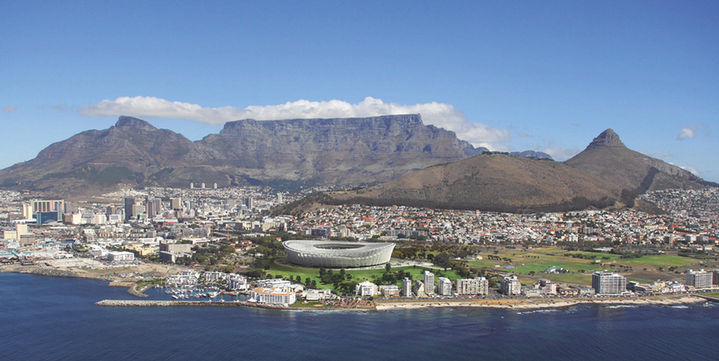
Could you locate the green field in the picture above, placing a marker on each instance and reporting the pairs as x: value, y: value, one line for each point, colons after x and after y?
x: 531, y: 264
x: 293, y: 271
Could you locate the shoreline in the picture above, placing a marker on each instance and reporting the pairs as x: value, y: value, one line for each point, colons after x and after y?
x: 54, y: 272
x: 536, y: 304
x: 380, y: 305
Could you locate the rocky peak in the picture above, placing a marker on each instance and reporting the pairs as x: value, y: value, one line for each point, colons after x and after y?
x: 607, y: 138
x: 130, y: 122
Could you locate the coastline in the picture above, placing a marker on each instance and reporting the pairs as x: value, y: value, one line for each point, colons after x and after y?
x: 533, y: 304
x: 49, y: 271
x: 134, y: 289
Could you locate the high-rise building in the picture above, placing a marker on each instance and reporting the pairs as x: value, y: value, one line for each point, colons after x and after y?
x: 279, y: 198
x: 192, y: 185
x: 418, y: 289
x: 129, y: 205
x: 715, y: 278
x: 153, y: 207
x: 428, y: 282
x: 27, y: 212
x: 406, y: 287
x: 45, y: 205
x: 444, y: 286
x: 511, y: 286
x: 607, y: 283
x: 699, y: 279
x: 176, y: 203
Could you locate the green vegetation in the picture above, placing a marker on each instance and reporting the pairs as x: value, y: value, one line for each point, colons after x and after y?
x: 330, y: 278
x: 577, y: 266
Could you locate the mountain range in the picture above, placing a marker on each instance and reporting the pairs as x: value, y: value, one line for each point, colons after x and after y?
x: 401, y: 160
x: 605, y: 174
x: 295, y: 152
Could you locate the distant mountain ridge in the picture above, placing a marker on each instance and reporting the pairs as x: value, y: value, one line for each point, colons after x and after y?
x: 273, y: 152
x: 605, y: 174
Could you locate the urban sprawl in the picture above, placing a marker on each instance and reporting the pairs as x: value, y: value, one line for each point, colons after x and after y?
x: 225, y: 243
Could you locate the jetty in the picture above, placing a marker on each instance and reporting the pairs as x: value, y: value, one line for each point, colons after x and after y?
x: 162, y: 303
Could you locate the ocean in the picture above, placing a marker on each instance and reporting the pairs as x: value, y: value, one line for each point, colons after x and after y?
x: 45, y: 318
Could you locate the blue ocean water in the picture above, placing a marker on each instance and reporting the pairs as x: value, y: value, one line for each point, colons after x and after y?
x: 43, y: 318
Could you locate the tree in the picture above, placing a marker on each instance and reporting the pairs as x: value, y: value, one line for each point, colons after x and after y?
x: 387, y: 267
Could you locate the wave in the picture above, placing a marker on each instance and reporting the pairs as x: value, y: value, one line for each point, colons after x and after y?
x: 622, y: 306
x: 538, y: 311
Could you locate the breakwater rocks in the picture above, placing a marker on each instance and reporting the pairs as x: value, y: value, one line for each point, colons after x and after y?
x: 161, y: 303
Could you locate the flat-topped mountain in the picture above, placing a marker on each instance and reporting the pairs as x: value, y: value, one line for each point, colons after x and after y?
x: 335, y: 151
x: 298, y: 151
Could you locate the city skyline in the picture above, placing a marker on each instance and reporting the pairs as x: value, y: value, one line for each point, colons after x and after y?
x: 546, y: 77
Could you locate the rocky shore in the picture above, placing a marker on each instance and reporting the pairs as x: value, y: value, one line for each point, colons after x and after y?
x: 528, y: 303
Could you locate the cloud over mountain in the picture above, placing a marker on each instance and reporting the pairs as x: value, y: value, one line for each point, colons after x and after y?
x: 687, y: 133
x: 439, y: 114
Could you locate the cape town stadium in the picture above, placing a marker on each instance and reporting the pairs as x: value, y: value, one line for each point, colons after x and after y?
x: 337, y: 254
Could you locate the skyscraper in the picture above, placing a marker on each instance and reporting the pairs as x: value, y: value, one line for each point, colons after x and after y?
x: 129, y: 203
x: 428, y: 282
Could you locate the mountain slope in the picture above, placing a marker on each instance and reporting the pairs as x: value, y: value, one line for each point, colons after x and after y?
x: 494, y: 182
x: 606, y: 173
x: 607, y: 158
x: 335, y: 151
x: 281, y: 152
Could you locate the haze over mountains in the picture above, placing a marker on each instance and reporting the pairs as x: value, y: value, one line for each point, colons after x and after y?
x: 282, y: 152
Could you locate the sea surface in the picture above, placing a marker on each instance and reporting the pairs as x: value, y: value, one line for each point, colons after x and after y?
x: 45, y: 318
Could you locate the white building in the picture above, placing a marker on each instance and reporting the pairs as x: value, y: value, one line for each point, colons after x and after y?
x: 274, y: 283
x: 237, y: 282
x: 389, y: 290
x: 366, y: 289
x: 511, y: 286
x: 699, y: 279
x: 428, y: 282
x: 273, y: 296
x: 406, y: 287
x: 120, y: 257
x: 471, y: 287
x: 607, y: 283
x: 444, y: 286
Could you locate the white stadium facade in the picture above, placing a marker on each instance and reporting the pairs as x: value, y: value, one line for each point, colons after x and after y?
x: 332, y: 254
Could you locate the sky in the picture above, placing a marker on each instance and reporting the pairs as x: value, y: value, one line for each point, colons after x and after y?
x: 520, y: 75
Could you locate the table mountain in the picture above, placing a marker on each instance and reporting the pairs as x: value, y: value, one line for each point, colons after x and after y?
x: 279, y: 152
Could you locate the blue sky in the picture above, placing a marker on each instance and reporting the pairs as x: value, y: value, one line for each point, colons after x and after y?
x: 547, y: 75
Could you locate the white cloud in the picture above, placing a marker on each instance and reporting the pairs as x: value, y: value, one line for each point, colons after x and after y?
x: 438, y: 114
x: 8, y: 109
x: 690, y: 170
x: 687, y: 133
x: 561, y: 154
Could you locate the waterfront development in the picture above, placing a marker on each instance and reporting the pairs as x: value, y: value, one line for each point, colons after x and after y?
x: 220, y: 245
x: 50, y: 318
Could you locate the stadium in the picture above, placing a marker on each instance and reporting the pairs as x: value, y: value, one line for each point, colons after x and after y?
x: 332, y: 254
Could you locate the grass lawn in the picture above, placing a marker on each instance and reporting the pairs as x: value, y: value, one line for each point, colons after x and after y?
x: 531, y: 264
x: 357, y: 275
